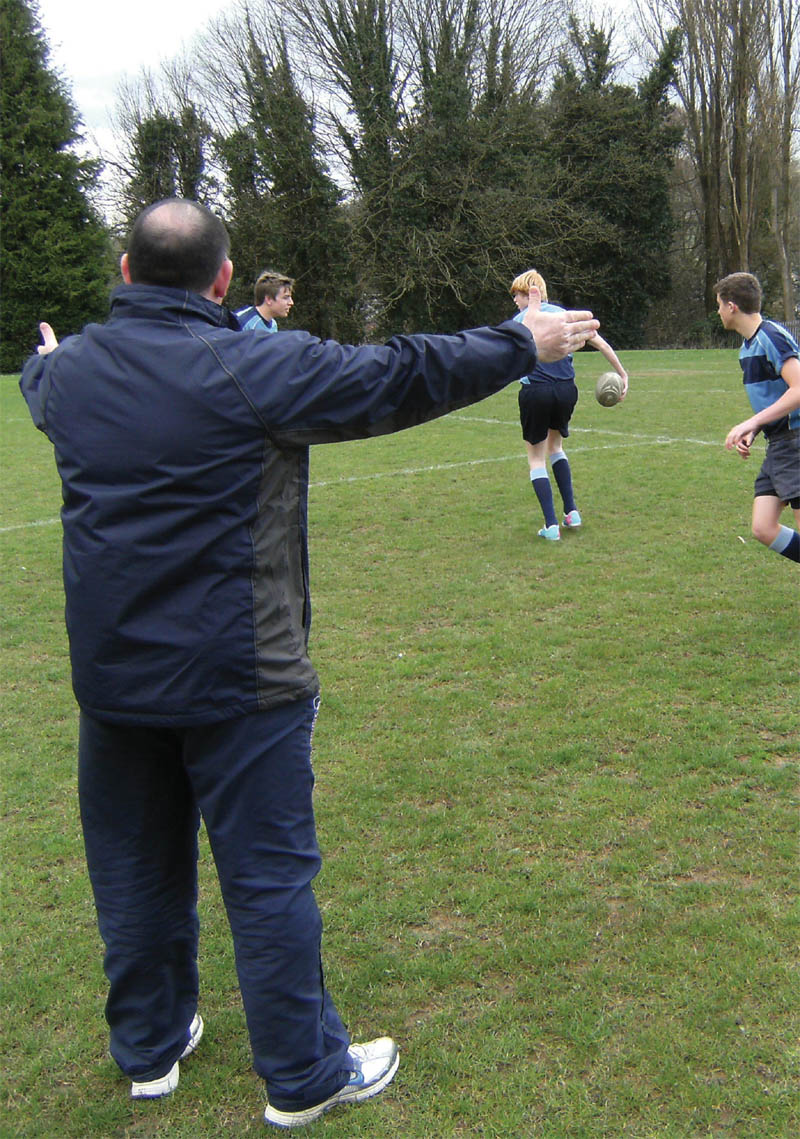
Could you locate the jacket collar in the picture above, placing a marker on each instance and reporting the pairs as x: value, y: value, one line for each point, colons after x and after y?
x: 169, y: 304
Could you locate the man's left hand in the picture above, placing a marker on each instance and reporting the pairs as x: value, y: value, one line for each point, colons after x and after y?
x: 49, y: 338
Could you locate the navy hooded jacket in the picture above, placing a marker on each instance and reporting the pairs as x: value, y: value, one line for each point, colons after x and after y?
x: 182, y: 446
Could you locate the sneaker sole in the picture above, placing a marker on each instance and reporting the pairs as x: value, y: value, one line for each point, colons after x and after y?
x: 288, y: 1119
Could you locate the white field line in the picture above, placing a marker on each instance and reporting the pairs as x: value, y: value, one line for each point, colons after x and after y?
x: 29, y: 525
x: 631, y: 440
x: 590, y: 431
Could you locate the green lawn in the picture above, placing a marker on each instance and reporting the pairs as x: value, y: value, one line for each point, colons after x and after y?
x: 556, y: 790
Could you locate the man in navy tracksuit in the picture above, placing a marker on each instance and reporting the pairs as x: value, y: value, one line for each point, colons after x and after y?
x: 182, y: 444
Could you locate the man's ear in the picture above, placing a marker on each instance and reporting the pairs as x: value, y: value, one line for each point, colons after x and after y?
x: 124, y: 269
x: 222, y: 280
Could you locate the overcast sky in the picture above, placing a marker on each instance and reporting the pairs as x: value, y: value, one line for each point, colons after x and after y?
x: 95, y: 44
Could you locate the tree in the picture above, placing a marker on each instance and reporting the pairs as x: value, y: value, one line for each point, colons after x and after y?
x: 283, y: 208
x: 427, y: 275
x: 779, y: 100
x: 739, y: 85
x: 166, y: 142
x: 431, y: 102
x: 610, y: 150
x: 469, y: 143
x: 55, y: 250
x: 350, y: 45
x: 348, y: 48
x: 453, y: 169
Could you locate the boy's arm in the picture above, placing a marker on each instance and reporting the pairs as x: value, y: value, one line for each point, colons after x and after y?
x: 742, y: 435
x: 605, y: 348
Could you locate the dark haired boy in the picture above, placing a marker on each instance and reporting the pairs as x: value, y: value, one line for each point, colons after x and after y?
x: 272, y: 298
x: 770, y: 361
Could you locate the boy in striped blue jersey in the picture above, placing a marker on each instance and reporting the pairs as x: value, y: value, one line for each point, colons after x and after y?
x: 272, y: 297
x: 770, y: 360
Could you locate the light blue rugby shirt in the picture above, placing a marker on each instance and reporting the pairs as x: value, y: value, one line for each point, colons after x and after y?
x: 762, y: 357
x: 250, y: 318
x: 560, y: 369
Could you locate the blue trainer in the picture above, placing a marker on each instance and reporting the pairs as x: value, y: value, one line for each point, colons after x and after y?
x: 573, y: 519
x: 552, y: 533
x: 372, y: 1067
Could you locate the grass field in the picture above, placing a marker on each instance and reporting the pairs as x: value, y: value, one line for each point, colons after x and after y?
x: 556, y: 791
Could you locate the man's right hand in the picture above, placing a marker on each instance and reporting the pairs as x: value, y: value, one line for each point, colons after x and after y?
x: 559, y: 333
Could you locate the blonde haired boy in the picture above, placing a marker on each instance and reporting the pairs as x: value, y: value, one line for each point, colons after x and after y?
x: 547, y: 400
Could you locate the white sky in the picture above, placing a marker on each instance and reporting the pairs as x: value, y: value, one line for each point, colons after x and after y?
x: 94, y: 45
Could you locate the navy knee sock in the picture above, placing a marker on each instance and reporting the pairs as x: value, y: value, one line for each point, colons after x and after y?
x: 544, y: 492
x: 563, y: 477
x: 787, y: 543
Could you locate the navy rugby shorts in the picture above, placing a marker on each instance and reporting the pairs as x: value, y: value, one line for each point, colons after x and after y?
x: 546, y: 405
x: 780, y: 472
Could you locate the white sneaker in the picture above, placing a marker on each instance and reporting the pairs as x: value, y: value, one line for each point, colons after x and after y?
x: 166, y: 1085
x: 372, y: 1067
x: 154, y: 1089
x: 195, y: 1033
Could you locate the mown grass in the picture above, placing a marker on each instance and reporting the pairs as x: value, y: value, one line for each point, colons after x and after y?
x: 556, y: 790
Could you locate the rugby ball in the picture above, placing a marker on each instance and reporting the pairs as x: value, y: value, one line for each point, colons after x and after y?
x: 608, y: 389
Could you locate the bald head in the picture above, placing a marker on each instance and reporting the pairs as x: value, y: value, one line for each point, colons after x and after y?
x: 177, y: 243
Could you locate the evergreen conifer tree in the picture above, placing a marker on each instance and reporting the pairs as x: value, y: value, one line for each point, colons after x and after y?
x: 610, y: 150
x: 55, y: 263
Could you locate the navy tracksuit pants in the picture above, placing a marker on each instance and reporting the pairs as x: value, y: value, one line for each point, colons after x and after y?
x: 142, y: 793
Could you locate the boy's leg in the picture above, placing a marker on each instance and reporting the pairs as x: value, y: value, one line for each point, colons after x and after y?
x: 767, y: 527
x: 534, y: 408
x: 565, y: 397
x: 254, y: 782
x: 140, y: 825
x: 778, y: 484
x: 562, y: 472
x: 540, y: 482
x: 767, y: 511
